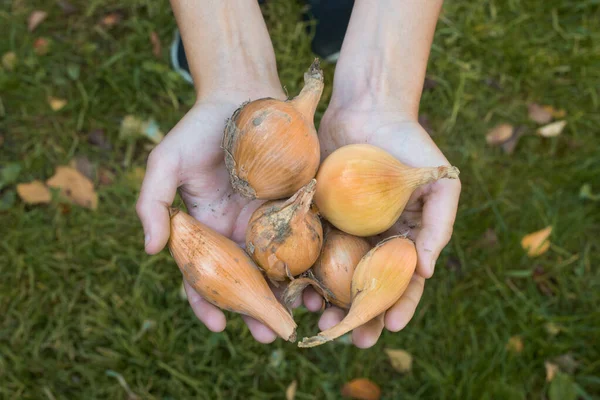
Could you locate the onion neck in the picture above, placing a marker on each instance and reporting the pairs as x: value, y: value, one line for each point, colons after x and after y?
x: 307, y: 101
x: 416, y: 177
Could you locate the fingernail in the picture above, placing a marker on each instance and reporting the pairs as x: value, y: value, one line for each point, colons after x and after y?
x: 146, y: 239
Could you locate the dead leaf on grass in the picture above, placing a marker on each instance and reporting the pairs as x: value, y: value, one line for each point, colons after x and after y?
x: 111, y: 20
x: 41, y: 46
x: 552, y: 130
x: 9, y: 60
x: 538, y: 114
x: 499, y: 134
x: 35, y: 19
x: 34, y: 192
x: 85, y: 166
x: 290, y: 392
x: 515, y: 344
x: 551, y: 370
x: 361, y: 389
x: 156, y: 47
x: 560, y: 113
x: 56, y: 103
x: 510, y: 145
x: 74, y: 187
x: 537, y: 243
x: 401, y: 360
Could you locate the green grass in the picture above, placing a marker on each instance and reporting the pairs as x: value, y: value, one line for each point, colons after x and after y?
x: 84, y: 310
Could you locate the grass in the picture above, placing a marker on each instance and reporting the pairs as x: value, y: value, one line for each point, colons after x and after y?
x: 86, y: 314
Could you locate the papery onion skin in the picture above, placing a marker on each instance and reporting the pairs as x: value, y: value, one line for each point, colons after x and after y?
x: 362, y: 189
x: 223, y: 274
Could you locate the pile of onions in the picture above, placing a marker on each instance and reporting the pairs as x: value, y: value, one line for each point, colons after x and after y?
x: 272, y: 152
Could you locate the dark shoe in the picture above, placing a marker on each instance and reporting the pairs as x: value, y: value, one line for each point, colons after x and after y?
x: 332, y: 18
x: 178, y: 59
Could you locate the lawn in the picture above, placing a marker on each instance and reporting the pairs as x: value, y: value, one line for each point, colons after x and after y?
x: 86, y: 314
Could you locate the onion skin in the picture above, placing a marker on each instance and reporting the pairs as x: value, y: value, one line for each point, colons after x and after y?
x: 284, y: 237
x: 223, y: 274
x: 271, y: 146
x: 378, y: 282
x: 362, y: 189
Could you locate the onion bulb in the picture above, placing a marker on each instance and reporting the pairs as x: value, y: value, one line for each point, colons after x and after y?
x: 271, y: 146
x: 362, y: 189
x: 378, y: 282
x: 285, y: 236
x: 331, y: 276
x: 223, y: 274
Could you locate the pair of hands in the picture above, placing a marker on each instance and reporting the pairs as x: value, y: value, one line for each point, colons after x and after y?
x: 190, y: 159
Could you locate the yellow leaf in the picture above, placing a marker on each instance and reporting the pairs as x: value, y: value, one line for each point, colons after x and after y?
x: 499, y: 134
x: 551, y: 370
x: 290, y: 392
x: 34, y: 192
x: 537, y: 243
x: 515, y: 344
x: 361, y: 389
x: 74, y: 187
x: 553, y: 129
x: 401, y: 360
x: 539, y: 114
x: 36, y: 18
x: 9, y: 60
x: 56, y: 103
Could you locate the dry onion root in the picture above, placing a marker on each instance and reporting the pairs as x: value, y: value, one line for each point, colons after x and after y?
x: 284, y: 237
x: 378, y: 282
x: 223, y: 274
x: 362, y: 189
x: 331, y: 275
x: 271, y: 146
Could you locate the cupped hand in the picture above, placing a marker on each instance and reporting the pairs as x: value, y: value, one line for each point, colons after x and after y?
x: 427, y: 219
x: 190, y: 159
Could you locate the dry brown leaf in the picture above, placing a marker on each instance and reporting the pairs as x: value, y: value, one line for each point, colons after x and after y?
x: 34, y: 192
x: 401, y: 360
x: 553, y: 129
x: 499, y: 134
x: 35, y: 18
x: 290, y: 392
x: 156, y: 47
x: 556, y: 113
x: 537, y: 243
x: 56, y: 103
x: 9, y: 60
x: 551, y: 370
x: 111, y: 20
x: 41, y: 46
x: 74, y: 187
x: 539, y: 114
x: 515, y: 344
x: 362, y: 389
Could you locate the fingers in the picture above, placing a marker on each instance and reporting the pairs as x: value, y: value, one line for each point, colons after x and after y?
x: 157, y: 194
x: 259, y: 331
x: 211, y: 316
x: 439, y: 213
x: 330, y: 317
x: 312, y: 300
x: 367, y: 335
x: 398, y: 316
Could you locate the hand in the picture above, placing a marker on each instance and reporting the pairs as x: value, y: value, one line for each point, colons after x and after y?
x: 428, y: 217
x: 190, y: 159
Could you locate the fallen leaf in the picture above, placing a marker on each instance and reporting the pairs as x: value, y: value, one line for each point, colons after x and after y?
x: 556, y: 113
x: 105, y: 176
x: 35, y: 19
x: 515, y: 344
x: 98, y: 138
x: 41, y: 46
x: 156, y: 47
x: 56, y: 103
x: 537, y: 243
x: 401, y: 360
x: 510, y: 145
x: 34, y: 192
x: 567, y: 363
x: 552, y: 328
x: 111, y: 20
x: 538, y: 114
x: 66, y: 7
x: 499, y: 134
x: 362, y: 389
x: 75, y: 187
x: 9, y: 60
x: 290, y: 392
x: 132, y: 127
x: 562, y: 387
x: 551, y: 370
x: 585, y: 193
x: 553, y: 129
x: 7, y: 199
x: 85, y: 166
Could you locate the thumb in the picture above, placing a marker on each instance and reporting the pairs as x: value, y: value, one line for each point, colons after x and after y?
x: 157, y: 194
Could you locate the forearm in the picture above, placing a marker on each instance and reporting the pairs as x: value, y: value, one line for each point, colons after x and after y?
x: 385, y: 52
x: 226, y: 43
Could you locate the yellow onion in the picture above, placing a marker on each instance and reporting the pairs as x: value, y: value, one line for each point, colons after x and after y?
x: 362, y: 189
x: 378, y: 282
x: 285, y: 236
x: 331, y: 276
x: 271, y: 146
x: 223, y: 274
